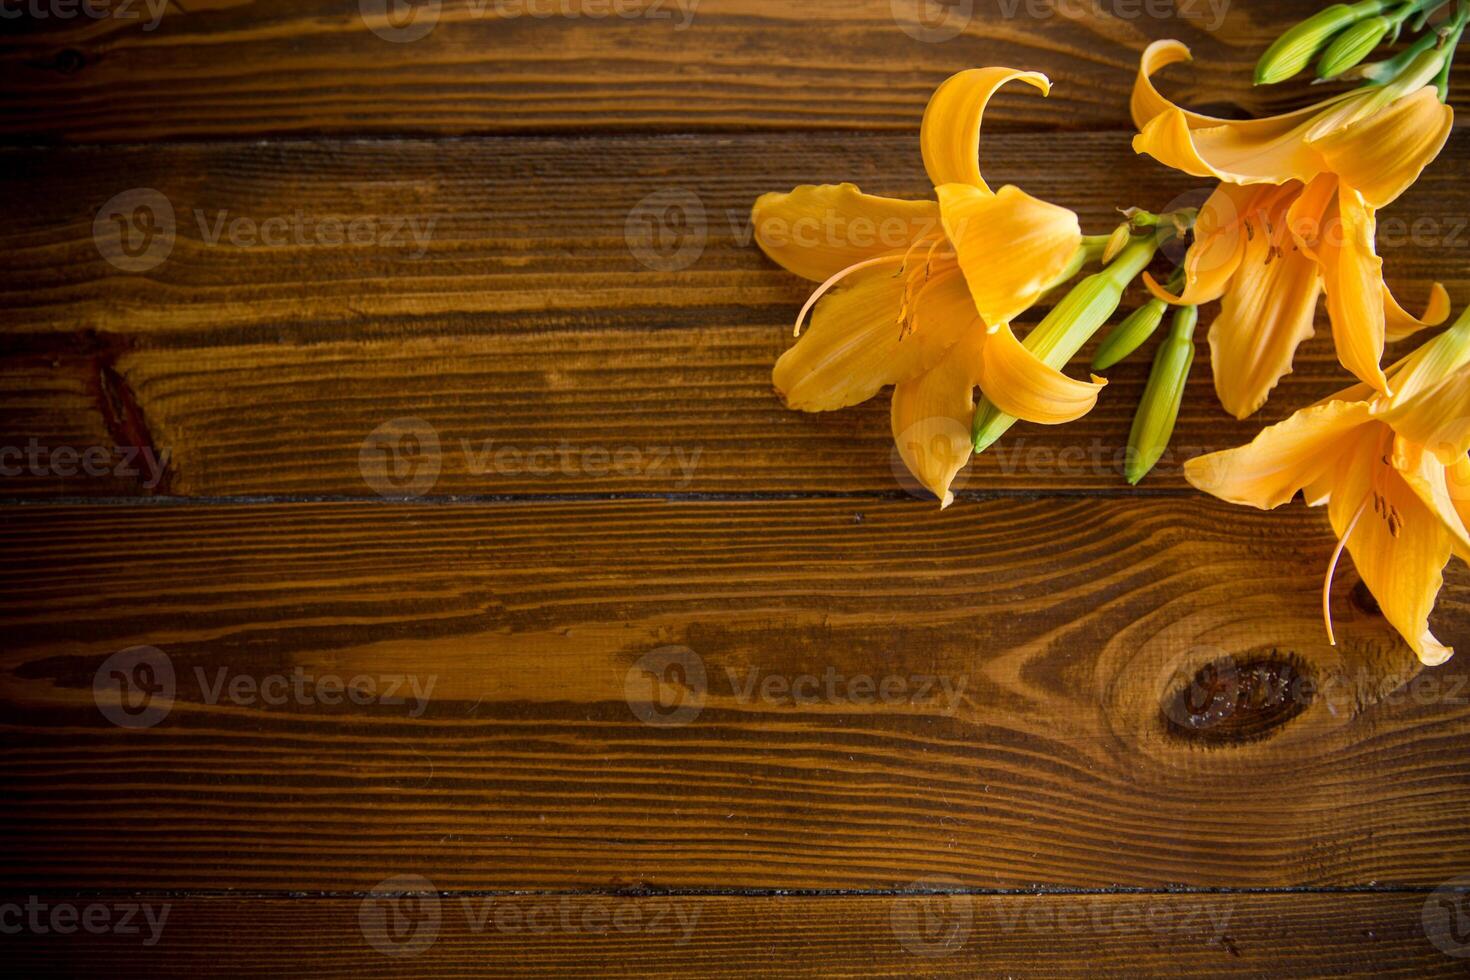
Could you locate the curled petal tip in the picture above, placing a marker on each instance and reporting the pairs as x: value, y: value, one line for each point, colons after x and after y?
x: 1432, y: 653
x: 1160, y: 292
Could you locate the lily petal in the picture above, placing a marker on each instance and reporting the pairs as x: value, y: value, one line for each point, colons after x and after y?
x: 1438, y: 418
x: 1381, y: 155
x: 1019, y: 383
x: 816, y: 231
x: 1253, y: 151
x: 1010, y: 245
x: 1282, y: 459
x: 854, y: 346
x: 1400, y: 546
x: 1308, y: 216
x: 1457, y: 483
x: 1423, y: 371
x: 931, y: 416
x: 1400, y: 324
x: 1264, y: 316
x: 950, y: 135
x: 1428, y: 477
x: 1219, y: 246
x: 1352, y: 274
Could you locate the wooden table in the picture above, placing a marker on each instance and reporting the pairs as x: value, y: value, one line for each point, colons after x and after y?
x: 449, y: 594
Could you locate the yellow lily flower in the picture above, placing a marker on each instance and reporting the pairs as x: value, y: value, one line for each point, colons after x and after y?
x: 920, y: 294
x: 1295, y: 213
x: 1392, y: 470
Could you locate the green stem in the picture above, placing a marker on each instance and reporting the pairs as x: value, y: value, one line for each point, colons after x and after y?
x: 1069, y: 325
x: 1442, y: 80
x: 1383, y: 72
x: 1088, y: 252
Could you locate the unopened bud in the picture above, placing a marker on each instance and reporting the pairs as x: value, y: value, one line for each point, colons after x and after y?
x: 1153, y: 426
x: 1352, y: 46
x: 1117, y: 241
x: 1293, y: 50
x: 1129, y: 335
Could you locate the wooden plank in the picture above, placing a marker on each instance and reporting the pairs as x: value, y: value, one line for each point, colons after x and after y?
x: 229, y: 68
x: 589, y: 411
x: 456, y: 935
x: 1050, y: 691
x: 520, y: 235
x: 529, y: 323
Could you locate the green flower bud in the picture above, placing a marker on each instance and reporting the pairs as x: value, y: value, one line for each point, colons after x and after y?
x: 1153, y: 426
x: 1352, y: 46
x: 1293, y: 50
x: 1070, y: 325
x: 1129, y: 335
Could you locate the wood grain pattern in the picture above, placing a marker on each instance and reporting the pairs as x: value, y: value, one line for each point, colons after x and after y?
x: 651, y: 659
x: 233, y: 67
x: 1190, y: 935
x: 528, y: 324
x: 1049, y: 759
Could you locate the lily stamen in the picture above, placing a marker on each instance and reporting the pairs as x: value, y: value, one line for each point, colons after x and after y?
x: 1332, y: 567
x: 827, y: 286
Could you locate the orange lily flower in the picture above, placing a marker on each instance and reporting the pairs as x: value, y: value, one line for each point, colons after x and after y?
x: 1392, y: 470
x: 920, y: 294
x: 1295, y: 213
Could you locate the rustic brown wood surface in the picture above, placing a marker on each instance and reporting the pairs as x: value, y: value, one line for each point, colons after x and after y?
x: 469, y: 935
x: 637, y: 672
x: 1031, y: 734
x: 450, y: 67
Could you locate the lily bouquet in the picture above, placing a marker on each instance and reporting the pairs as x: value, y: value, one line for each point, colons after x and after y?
x: 928, y: 305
